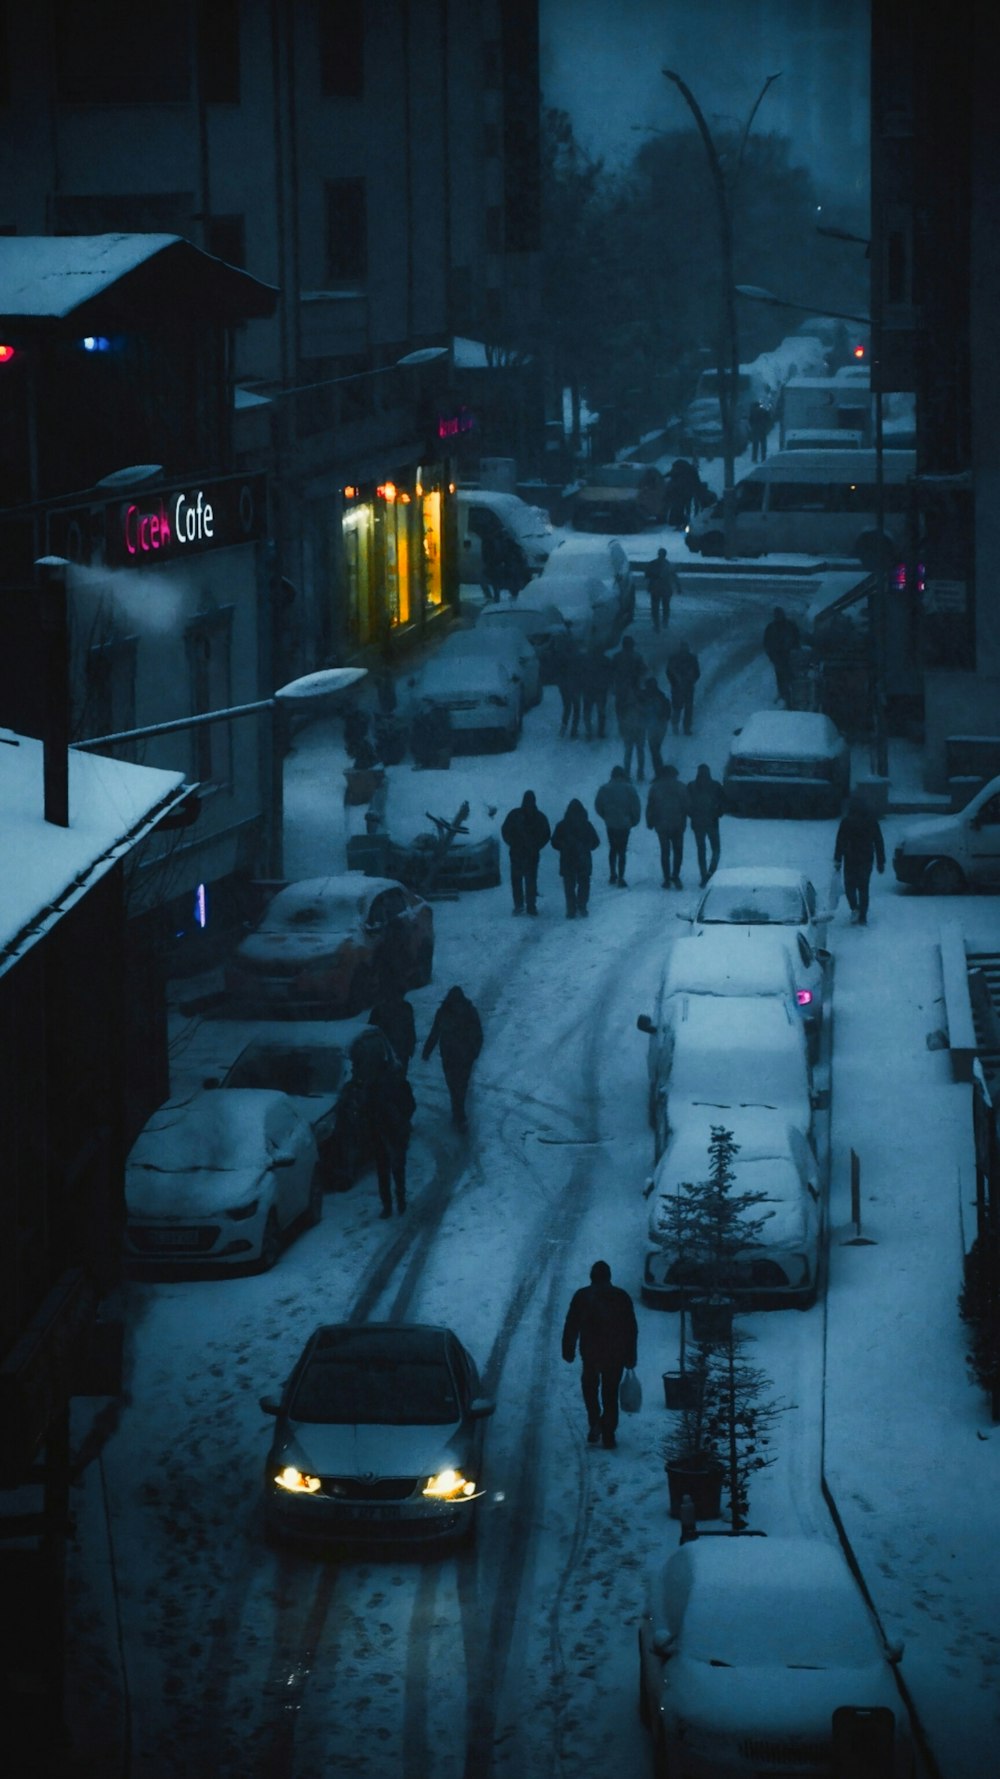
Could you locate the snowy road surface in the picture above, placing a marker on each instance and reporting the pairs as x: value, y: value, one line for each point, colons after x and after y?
x: 517, y: 1658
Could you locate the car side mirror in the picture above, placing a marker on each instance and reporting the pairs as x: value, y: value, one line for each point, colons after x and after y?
x: 270, y: 1405
x: 663, y: 1643
x: 480, y: 1407
x: 645, y: 1024
x: 823, y: 954
x: 212, y: 1081
x: 283, y: 1158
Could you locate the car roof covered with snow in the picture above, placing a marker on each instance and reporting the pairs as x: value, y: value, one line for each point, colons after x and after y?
x: 732, y: 961
x: 487, y: 639
x: 452, y: 675
x: 213, y: 1131
x: 334, y: 904
x: 523, y: 518
x: 414, y: 798
x: 733, y: 1051
x: 578, y: 555
x: 787, y: 735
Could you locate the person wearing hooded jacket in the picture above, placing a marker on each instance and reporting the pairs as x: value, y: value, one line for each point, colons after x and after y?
x: 525, y: 832
x: 458, y: 1031
x: 617, y: 804
x: 601, y: 1317
x: 706, y: 803
x: 575, y: 839
x: 666, y: 814
x: 858, y: 846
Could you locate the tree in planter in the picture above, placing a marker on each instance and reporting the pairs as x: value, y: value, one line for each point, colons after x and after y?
x: 709, y: 1225
x: 737, y: 1420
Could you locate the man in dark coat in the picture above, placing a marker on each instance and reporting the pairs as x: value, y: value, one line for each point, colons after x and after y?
x: 458, y: 1030
x: 595, y: 684
x: 575, y: 840
x: 666, y: 814
x: 525, y: 831
x: 683, y: 674
x: 628, y: 670
x: 617, y: 804
x: 393, y: 1015
x: 390, y: 1106
x: 759, y: 421
x: 706, y: 803
x: 656, y: 709
x: 859, y: 845
x: 682, y: 482
x: 781, y: 637
x: 602, y: 1318
x: 632, y: 728
x: 661, y: 577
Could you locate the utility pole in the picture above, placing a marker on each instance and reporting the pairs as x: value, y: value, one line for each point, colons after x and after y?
x: 729, y: 343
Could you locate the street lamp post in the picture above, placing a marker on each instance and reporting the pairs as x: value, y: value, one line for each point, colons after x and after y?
x: 877, y: 603
x: 729, y: 345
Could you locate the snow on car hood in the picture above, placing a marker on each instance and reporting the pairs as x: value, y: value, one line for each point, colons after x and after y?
x: 414, y: 797
x: 787, y: 735
x: 787, y: 1214
x: 771, y: 1702
x: 349, y: 1450
x: 214, y: 1131
x: 203, y: 1192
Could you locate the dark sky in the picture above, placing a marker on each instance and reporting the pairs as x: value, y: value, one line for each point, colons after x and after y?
x: 601, y: 62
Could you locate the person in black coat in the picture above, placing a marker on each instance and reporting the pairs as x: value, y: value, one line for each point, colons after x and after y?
x: 706, y: 803
x: 595, y: 682
x: 575, y: 839
x: 458, y: 1030
x: 781, y: 638
x: 661, y: 578
x: 394, y: 1017
x: 859, y: 845
x: 601, y: 1318
x: 525, y: 831
x: 683, y: 674
x: 390, y: 1106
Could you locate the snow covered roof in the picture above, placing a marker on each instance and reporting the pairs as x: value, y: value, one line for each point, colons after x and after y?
x: 111, y: 804
x: 54, y: 284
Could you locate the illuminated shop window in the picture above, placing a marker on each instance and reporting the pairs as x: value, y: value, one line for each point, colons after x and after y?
x: 359, y: 539
x: 430, y: 513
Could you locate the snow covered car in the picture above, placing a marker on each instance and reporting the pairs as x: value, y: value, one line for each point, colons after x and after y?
x: 481, y: 695
x: 604, y: 559
x: 760, y: 1654
x: 508, y: 644
x: 787, y: 762
x: 749, y: 961
x: 310, y: 1062
x: 621, y: 497
x: 407, y: 821
x: 590, y: 609
x: 950, y: 853
x: 772, y: 899
x: 379, y: 1436
x: 325, y: 946
x: 782, y: 1266
x: 536, y: 615
x: 221, y: 1179
x: 722, y: 1054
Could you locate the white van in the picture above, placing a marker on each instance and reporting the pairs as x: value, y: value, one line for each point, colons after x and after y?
x: 819, y: 503
x: 485, y: 512
x: 946, y: 854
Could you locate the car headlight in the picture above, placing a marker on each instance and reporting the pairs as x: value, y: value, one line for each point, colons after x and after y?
x: 450, y: 1485
x: 241, y: 1212
x: 296, y: 1482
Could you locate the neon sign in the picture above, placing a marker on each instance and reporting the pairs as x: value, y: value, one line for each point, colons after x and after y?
x: 193, y: 523
x: 450, y: 425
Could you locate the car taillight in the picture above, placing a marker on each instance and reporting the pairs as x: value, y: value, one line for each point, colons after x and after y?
x: 804, y: 997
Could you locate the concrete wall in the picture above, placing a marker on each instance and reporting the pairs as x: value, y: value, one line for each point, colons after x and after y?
x: 956, y: 704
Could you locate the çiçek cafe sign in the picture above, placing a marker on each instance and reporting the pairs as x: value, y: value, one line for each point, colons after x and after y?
x: 166, y: 524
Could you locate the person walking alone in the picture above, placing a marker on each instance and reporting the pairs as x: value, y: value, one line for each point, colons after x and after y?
x: 781, y: 639
x: 393, y: 1015
x: 661, y: 577
x: 390, y: 1108
x: 568, y: 671
x: 617, y: 804
x: 525, y: 832
x: 759, y: 425
x: 458, y: 1030
x: 706, y: 803
x: 601, y: 1319
x: 683, y: 674
x: 858, y: 846
x: 666, y: 814
x: 575, y: 839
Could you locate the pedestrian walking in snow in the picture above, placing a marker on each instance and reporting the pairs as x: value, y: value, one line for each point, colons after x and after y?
x: 525, y: 832
x: 666, y: 814
x: 682, y: 483
x: 575, y: 839
x: 393, y: 1016
x: 683, y: 674
x: 781, y: 638
x: 458, y: 1032
x: 706, y: 804
x: 390, y: 1109
x: 617, y: 804
x: 661, y: 578
x: 759, y: 422
x: 632, y: 727
x: 859, y: 845
x: 628, y: 670
x: 656, y: 710
x: 568, y: 674
x: 595, y: 684
x: 601, y: 1319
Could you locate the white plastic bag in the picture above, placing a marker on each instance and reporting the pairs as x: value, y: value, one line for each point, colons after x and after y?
x: 630, y: 1394
x: 836, y: 889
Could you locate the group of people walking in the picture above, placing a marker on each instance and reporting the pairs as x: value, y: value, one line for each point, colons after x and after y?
x: 644, y: 711
x: 671, y: 807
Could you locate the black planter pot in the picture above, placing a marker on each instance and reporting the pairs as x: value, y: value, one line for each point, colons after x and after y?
x: 686, y: 1476
x: 711, y: 1319
x: 680, y: 1388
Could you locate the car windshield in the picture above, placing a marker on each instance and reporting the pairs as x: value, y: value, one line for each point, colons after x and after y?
x: 302, y: 1069
x: 376, y: 1380
x: 749, y: 904
x: 753, y: 1627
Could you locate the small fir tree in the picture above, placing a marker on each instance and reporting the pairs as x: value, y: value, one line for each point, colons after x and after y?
x: 709, y: 1225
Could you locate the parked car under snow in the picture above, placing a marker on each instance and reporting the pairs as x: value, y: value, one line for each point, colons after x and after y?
x: 732, y: 960
x: 410, y: 817
x: 787, y: 762
x: 782, y: 1265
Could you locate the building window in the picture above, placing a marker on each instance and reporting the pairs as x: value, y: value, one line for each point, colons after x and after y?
x: 225, y: 237
x: 109, y: 701
x: 219, y: 51
x: 341, y: 29
x: 209, y: 651
x: 346, y: 231
x: 113, y: 52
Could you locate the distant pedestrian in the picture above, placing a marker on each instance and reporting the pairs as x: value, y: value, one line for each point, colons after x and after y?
x: 617, y: 804
x: 393, y: 1016
x: 567, y: 671
x: 706, y: 804
x: 595, y: 684
x: 781, y: 639
x: 632, y: 728
x: 859, y: 845
x: 759, y: 422
x: 628, y: 670
x: 575, y: 839
x: 390, y: 1109
x: 683, y: 674
x: 491, y: 556
x: 666, y: 814
x: 682, y: 483
x: 458, y: 1031
x: 662, y: 580
x: 656, y: 710
x: 525, y: 832
x: 601, y: 1319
